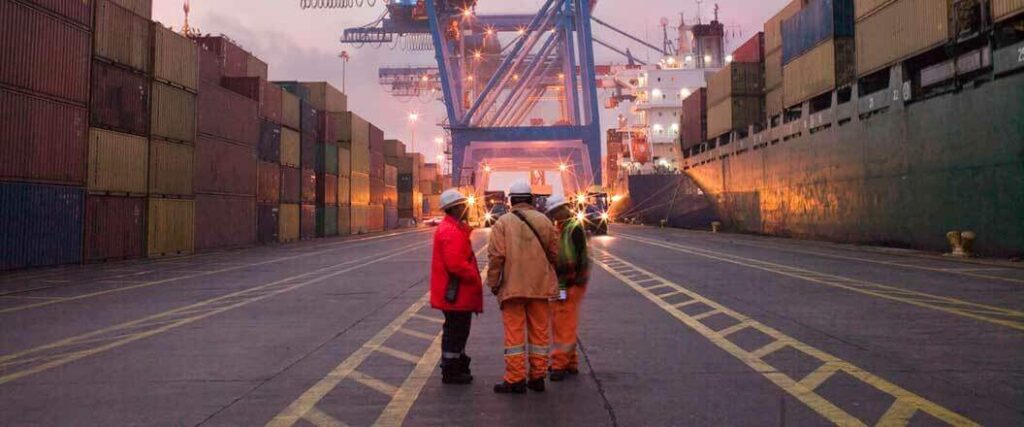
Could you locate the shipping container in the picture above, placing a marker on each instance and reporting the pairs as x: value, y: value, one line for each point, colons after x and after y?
x: 736, y: 113
x: 307, y: 222
x: 327, y: 158
x: 377, y: 165
x: 344, y: 190
x: 118, y: 162
x: 42, y: 140
x: 123, y: 37
x: 775, y: 101
x: 327, y: 189
x: 40, y: 225
x: 143, y: 8
x: 1006, y: 9
x: 750, y: 51
x: 344, y: 162
x: 773, y: 70
x: 736, y: 79
x: 360, y: 188
x: 821, y: 70
x: 269, y: 185
x: 228, y: 115
x: 173, y: 114
x: 291, y: 152
x: 224, y: 221
x: 175, y: 58
x: 223, y: 167
x: 325, y: 97
x: 291, y: 184
x: 390, y: 218
x: 900, y: 30
x: 44, y: 54
x: 308, y: 186
x: 326, y: 127
x: 232, y: 60
x: 294, y: 88
x: 271, y: 107
x: 114, y: 227
x: 209, y: 69
x: 269, y: 149
x: 79, y: 11
x: 120, y: 99
x: 267, y: 223
x: 773, y: 27
x: 309, y: 154
x: 374, y: 218
x: 429, y: 172
x: 405, y: 183
x: 170, y: 227
x: 288, y: 227
x: 345, y: 220
x: 309, y: 120
x: 694, y: 120
x: 255, y: 67
x: 862, y: 8
x: 326, y: 221
x: 353, y: 132
x: 390, y: 176
x: 377, y: 191
x: 290, y: 111
x: 249, y: 87
x: 376, y: 136
x: 816, y: 22
x: 394, y: 149
x: 170, y: 168
x: 358, y: 220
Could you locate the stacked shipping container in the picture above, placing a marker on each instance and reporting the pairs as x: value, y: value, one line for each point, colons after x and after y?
x: 329, y: 102
x: 773, y: 82
x: 735, y: 95
x: 694, y: 120
x: 817, y: 49
x: 353, y: 133
x: 394, y: 153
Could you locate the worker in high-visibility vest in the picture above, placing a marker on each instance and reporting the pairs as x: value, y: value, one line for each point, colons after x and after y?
x: 573, y: 267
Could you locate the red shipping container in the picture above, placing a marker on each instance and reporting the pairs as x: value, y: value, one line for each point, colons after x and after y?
x: 750, y: 51
x: 42, y: 140
x: 270, y: 109
x: 233, y: 60
x: 327, y: 190
x: 291, y: 185
x: 79, y: 11
x: 377, y: 165
x: 308, y: 186
x: 695, y: 119
x: 376, y: 139
x: 326, y: 131
x: 224, y: 221
x: 222, y: 167
x: 114, y: 227
x: 227, y: 115
x: 269, y: 186
x: 377, y: 190
x: 307, y: 222
x: 249, y: 87
x: 209, y: 66
x: 120, y: 99
x: 41, y: 53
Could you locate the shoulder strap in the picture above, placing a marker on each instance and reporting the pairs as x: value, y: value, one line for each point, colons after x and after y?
x: 535, y: 233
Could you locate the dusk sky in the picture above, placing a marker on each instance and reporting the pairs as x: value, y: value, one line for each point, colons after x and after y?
x: 303, y: 44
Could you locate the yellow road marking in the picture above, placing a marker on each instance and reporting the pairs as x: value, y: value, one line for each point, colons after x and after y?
x: 396, y: 411
x: 733, y: 329
x: 321, y: 419
x: 135, y: 330
x: 428, y: 318
x: 996, y: 315
x: 705, y: 315
x: 374, y: 383
x: 685, y: 303
x: 415, y: 333
x: 398, y: 354
x: 798, y: 390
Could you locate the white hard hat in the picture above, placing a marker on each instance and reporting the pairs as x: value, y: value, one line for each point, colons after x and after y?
x: 451, y: 198
x: 520, y: 187
x: 554, y: 202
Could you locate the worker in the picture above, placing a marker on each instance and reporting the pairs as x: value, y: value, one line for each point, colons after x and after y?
x: 455, y: 286
x: 573, y: 267
x: 522, y: 251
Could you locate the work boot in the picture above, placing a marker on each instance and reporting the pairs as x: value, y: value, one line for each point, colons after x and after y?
x: 536, y: 384
x: 510, y: 388
x: 559, y: 374
x: 452, y: 372
x: 464, y: 361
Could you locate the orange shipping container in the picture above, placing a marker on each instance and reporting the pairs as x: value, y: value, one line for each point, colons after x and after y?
x: 360, y: 188
x: 1006, y: 9
x: 175, y: 58
x: 818, y: 71
x: 291, y: 143
x: 900, y: 30
x: 173, y: 113
x: 289, y: 110
x: 325, y: 97
x: 288, y: 223
x: 359, y: 219
x: 375, y: 218
x: 122, y: 36
x: 171, y: 229
x: 117, y: 162
x: 170, y: 168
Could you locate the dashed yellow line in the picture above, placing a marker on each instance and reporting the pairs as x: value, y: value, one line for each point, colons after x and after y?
x: 905, y: 404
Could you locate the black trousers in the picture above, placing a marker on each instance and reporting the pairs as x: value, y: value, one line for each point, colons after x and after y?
x: 455, y: 333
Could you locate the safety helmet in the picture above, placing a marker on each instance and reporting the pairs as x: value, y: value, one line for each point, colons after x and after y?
x: 554, y: 202
x: 520, y: 188
x: 451, y: 198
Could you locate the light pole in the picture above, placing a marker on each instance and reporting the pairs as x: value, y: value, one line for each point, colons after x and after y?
x: 413, y: 117
x: 344, y: 65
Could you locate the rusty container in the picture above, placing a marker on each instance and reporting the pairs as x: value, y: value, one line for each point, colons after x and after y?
x: 115, y: 227
x: 224, y: 221
x: 269, y: 186
x: 173, y: 113
x: 327, y: 189
x: 288, y: 225
x: 170, y: 168
x: 120, y: 99
x: 42, y: 140
x: 308, y: 186
x: 270, y: 109
x: 44, y: 54
x: 227, y: 115
x: 79, y: 11
x: 290, y: 115
x: 175, y: 58
x: 307, y: 222
x: 291, y: 184
x: 223, y: 167
x: 123, y: 37
x: 291, y: 151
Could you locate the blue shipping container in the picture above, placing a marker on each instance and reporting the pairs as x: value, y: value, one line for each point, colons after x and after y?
x: 818, y: 21
x: 40, y: 225
x: 296, y: 89
x: 309, y: 120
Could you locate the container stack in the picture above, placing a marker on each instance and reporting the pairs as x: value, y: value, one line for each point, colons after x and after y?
x: 44, y: 99
x: 394, y: 156
x: 329, y: 102
x: 818, y: 49
x: 735, y: 95
x: 353, y: 133
x: 773, y: 82
x: 344, y: 184
x: 375, y: 212
x: 410, y: 198
x: 268, y: 185
x: 694, y: 120
x: 888, y: 32
x: 291, y: 173
x: 308, y: 135
x: 430, y: 186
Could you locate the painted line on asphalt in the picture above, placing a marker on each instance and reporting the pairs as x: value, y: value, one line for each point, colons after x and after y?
x: 49, y: 356
x: 905, y: 403
x: 319, y: 250
x: 986, y: 313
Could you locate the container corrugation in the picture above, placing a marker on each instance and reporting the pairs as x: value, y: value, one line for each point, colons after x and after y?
x: 695, y: 119
x: 344, y: 162
x: 773, y: 70
x: 291, y: 184
x: 288, y: 226
x: 390, y: 218
x: 267, y: 223
x: 40, y: 225
x: 327, y: 158
x: 307, y: 222
x: 326, y: 97
x: 269, y: 183
x: 114, y: 227
x: 222, y: 167
x: 773, y: 27
x: 736, y: 79
x: 271, y: 106
x: 375, y: 218
x: 79, y: 11
x: 290, y: 112
x: 327, y: 189
x: 43, y: 54
x: 900, y: 30
x: 818, y: 71
x: 227, y: 115
x: 359, y: 218
x: 118, y: 162
x: 42, y: 140
x: 170, y: 227
x: 291, y: 151
x: 1006, y: 9
x: 326, y: 221
x: 120, y: 99
x: 170, y: 168
x: 326, y: 128
x: 750, y: 51
x: 308, y: 183
x: 175, y: 58
x: 735, y: 113
x: 345, y: 220
x: 295, y: 88
x: 862, y: 8
x: 309, y: 120
x: 123, y: 37
x: 344, y: 190
x: 210, y: 69
x: 310, y: 155
x: 173, y: 114
x: 255, y: 67
x: 224, y: 222
x: 360, y: 191
x: 376, y: 137
x: 819, y: 20
x: 233, y: 60
x: 775, y: 101
x: 143, y: 8
x: 269, y: 149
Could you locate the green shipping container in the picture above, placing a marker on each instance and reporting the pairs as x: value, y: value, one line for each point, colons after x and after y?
x: 326, y: 221
x: 329, y: 154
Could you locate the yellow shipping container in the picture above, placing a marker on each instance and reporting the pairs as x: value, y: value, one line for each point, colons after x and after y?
x: 862, y: 8
x: 360, y: 191
x: 773, y: 70
x: 360, y: 145
x: 288, y: 223
x: 175, y: 58
x: 289, y: 110
x: 173, y: 113
x: 775, y: 102
x: 117, y: 162
x: 735, y: 79
x: 1006, y: 9
x: 773, y: 27
x: 818, y: 71
x: 122, y: 37
x: 143, y: 8
x: 290, y: 147
x: 358, y: 220
x: 900, y: 30
x: 171, y: 228
x: 170, y: 168
x: 734, y: 113
x: 344, y: 162
x: 344, y: 220
x: 325, y: 97
x: 344, y: 190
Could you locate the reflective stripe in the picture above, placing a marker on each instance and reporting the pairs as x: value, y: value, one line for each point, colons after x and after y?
x: 537, y: 349
x: 447, y: 355
x: 512, y: 351
x: 565, y: 348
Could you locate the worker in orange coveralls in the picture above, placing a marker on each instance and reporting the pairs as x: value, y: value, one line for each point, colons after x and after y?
x: 522, y: 250
x: 573, y: 267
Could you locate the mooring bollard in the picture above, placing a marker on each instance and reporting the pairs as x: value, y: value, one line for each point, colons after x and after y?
x: 662, y: 223
x: 715, y: 225
x: 961, y: 243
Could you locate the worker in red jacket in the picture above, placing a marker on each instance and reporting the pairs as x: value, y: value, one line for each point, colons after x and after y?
x: 455, y: 287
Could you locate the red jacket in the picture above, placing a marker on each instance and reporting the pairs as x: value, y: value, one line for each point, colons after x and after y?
x: 453, y: 256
